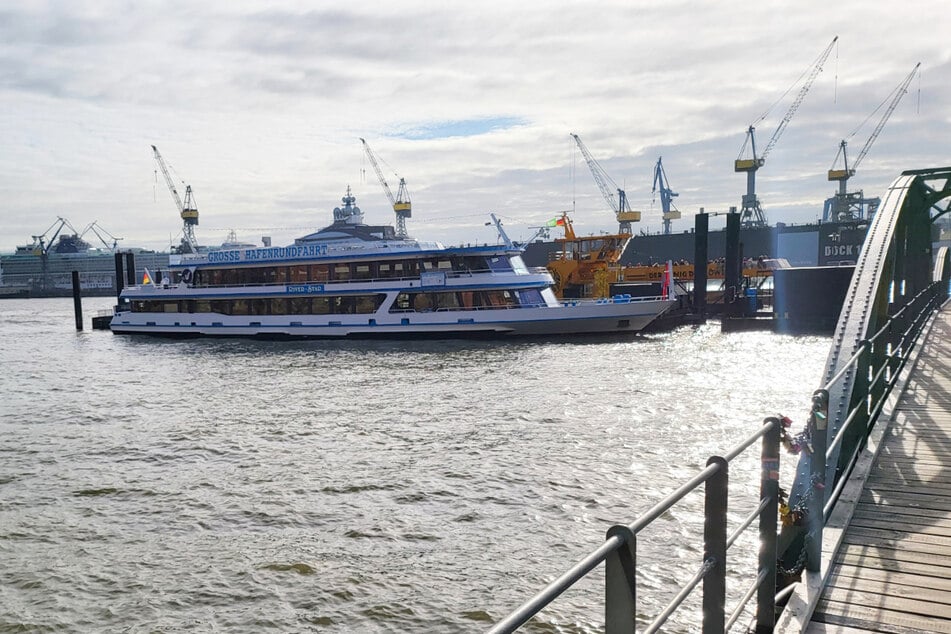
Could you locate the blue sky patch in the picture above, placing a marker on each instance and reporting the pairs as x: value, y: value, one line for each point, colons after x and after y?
x: 469, y: 127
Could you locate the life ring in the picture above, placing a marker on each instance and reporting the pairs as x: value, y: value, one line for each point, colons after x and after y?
x: 187, y: 276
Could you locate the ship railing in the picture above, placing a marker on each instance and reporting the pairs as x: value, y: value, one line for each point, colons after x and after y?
x: 616, y: 299
x: 619, y: 552
x: 450, y: 274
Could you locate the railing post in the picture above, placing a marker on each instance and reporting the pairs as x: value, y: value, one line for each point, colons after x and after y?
x: 769, y: 491
x: 714, y: 546
x: 815, y: 517
x: 860, y: 389
x: 620, y: 583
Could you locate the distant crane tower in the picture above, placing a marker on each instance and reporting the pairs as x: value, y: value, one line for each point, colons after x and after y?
x: 621, y: 207
x: 851, y: 205
x: 401, y: 204
x: 666, y: 195
x: 188, y: 210
x: 752, y: 214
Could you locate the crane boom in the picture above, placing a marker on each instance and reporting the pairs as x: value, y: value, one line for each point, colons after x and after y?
x: 899, y: 93
x: 168, y: 179
x: 401, y: 204
x: 816, y: 69
x: 608, y: 187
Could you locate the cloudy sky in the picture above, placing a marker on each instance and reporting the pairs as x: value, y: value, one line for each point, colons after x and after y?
x: 260, y: 107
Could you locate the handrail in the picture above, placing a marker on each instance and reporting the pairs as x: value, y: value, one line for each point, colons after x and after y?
x: 619, y: 549
x: 909, y: 334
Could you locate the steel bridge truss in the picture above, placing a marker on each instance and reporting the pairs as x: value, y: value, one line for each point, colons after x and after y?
x: 897, y: 284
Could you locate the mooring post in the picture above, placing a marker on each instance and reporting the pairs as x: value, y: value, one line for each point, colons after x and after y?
x: 732, y: 264
x: 769, y: 492
x: 118, y: 257
x: 700, y: 259
x: 714, y: 546
x: 130, y: 268
x: 620, y: 583
x: 77, y: 301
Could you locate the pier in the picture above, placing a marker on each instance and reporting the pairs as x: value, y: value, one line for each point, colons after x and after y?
x: 862, y: 541
x: 887, y: 560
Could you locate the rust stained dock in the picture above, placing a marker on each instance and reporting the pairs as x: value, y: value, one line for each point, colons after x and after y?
x: 891, y: 569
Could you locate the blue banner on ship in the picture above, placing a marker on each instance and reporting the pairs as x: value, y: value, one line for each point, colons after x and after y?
x: 268, y: 254
x: 305, y: 288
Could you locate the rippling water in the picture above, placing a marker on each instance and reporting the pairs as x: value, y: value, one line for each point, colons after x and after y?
x: 239, y: 486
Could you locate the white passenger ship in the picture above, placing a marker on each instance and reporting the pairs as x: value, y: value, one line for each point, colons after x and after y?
x: 356, y: 280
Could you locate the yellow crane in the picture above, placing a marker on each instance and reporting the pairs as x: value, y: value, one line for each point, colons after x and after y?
x: 846, y: 205
x: 401, y: 204
x: 752, y: 213
x: 188, y: 210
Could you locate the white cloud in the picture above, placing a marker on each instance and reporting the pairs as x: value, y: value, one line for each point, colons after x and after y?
x: 260, y: 109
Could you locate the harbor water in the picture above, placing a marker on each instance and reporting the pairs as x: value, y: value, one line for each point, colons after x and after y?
x: 151, y: 485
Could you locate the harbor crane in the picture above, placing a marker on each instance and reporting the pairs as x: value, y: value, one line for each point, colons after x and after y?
x: 401, y: 204
x: 620, y: 206
x: 846, y: 205
x: 98, y: 230
x: 752, y: 214
x: 188, y: 209
x: 666, y: 195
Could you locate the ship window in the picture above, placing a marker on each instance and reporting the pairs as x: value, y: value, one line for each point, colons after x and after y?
x: 221, y: 306
x: 320, y: 306
x: 319, y: 272
x: 257, y: 307
x: 239, y: 307
x: 138, y: 307
x: 298, y: 273
x: 342, y: 272
x: 254, y: 276
x: 499, y: 298
x: 445, y: 301
x: 401, y: 303
x: 362, y: 272
x: 278, y: 306
x: 500, y: 263
x: 229, y: 277
x: 342, y: 305
x: 368, y: 303
x: 530, y: 298
x: 202, y: 306
x: 170, y: 307
x: 299, y: 306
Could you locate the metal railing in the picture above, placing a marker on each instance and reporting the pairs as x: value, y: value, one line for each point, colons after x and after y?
x: 874, y: 367
x: 619, y: 552
x: 885, y: 354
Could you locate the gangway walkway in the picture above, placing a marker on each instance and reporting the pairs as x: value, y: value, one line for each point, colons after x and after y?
x: 892, y: 569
